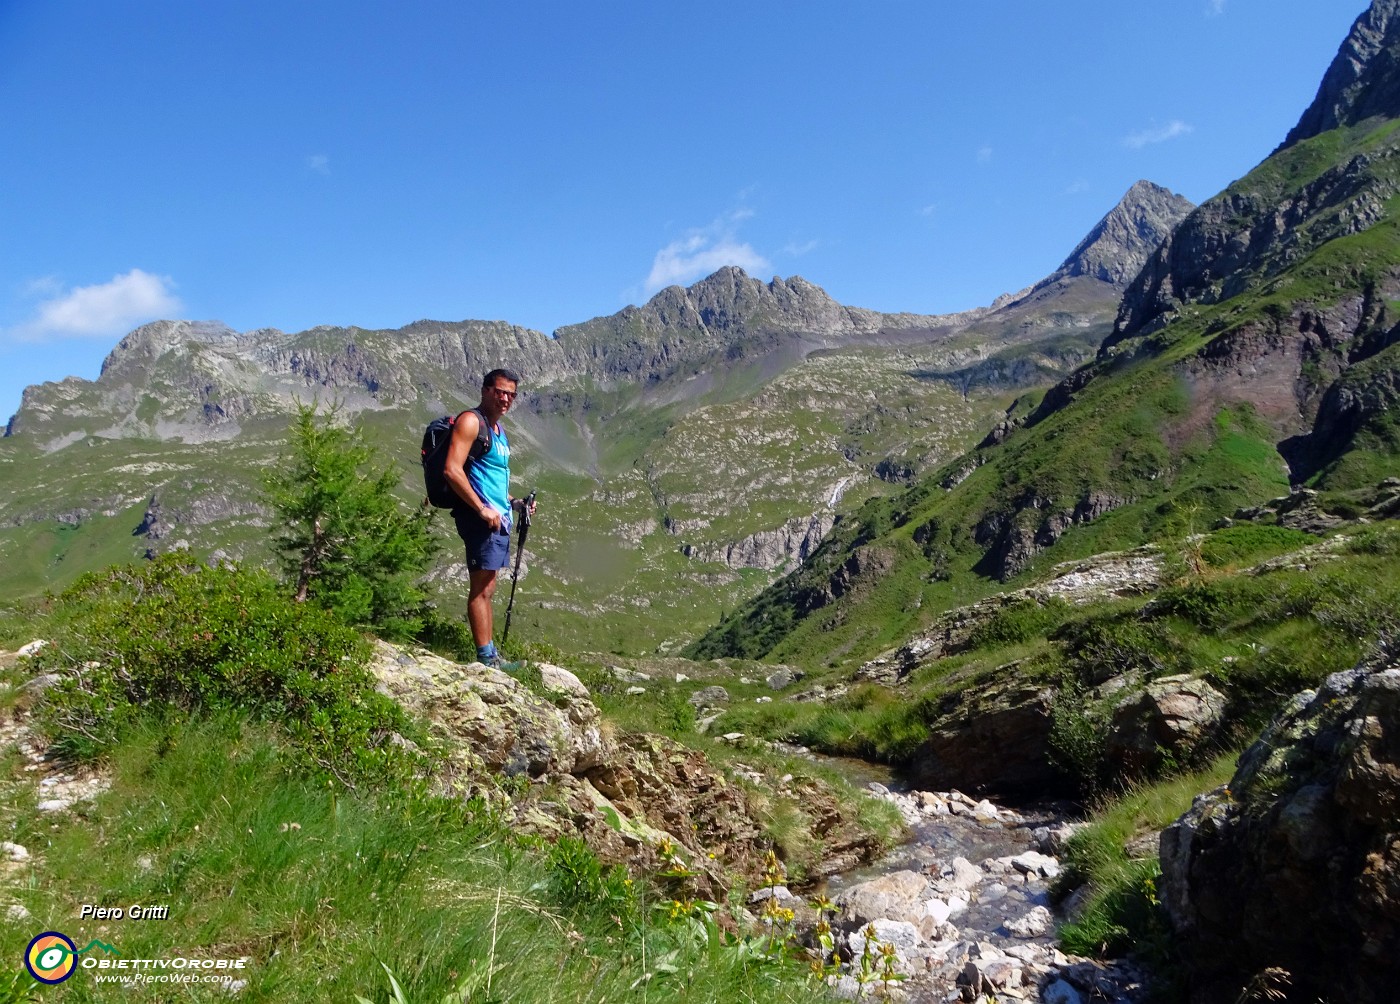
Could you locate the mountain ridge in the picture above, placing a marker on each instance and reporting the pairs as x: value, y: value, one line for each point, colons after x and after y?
x: 719, y: 318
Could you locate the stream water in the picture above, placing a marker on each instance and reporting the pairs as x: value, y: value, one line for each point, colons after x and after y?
x: 937, y: 841
x: 999, y: 941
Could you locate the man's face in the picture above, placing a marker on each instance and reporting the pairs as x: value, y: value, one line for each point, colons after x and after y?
x: 501, y: 393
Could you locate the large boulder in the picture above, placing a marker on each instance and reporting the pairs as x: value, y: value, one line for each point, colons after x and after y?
x: 899, y: 895
x: 484, y: 717
x: 992, y: 741
x: 1295, y: 865
x: 1169, y: 718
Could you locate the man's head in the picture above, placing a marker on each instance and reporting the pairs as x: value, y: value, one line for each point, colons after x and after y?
x: 498, y: 391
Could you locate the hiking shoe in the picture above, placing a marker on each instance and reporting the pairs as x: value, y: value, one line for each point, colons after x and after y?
x: 495, y: 661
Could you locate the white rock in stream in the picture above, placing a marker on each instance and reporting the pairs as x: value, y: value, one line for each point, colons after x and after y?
x: 903, y: 935
x: 965, y: 874
x: 1033, y: 924
x: 1060, y: 992
x: 939, y: 911
x: 1035, y: 863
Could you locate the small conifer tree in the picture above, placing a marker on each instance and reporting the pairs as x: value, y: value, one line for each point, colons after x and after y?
x: 342, y: 536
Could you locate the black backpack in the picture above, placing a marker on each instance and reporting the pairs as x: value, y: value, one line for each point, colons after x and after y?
x: 435, y: 439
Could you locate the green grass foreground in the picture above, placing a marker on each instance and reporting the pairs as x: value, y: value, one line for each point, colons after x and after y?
x: 323, y: 889
x: 1120, y: 910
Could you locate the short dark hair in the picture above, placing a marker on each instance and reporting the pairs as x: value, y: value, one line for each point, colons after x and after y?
x: 489, y: 380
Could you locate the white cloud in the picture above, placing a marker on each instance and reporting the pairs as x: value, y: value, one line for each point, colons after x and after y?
x: 1214, y: 8
x: 319, y: 163
x: 1159, y: 134
x: 929, y: 209
x: 1077, y: 188
x: 44, y: 285
x: 984, y: 155
x: 702, y: 251
x: 102, y: 311
x: 795, y: 250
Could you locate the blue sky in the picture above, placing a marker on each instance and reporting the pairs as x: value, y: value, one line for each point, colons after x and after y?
x: 299, y: 163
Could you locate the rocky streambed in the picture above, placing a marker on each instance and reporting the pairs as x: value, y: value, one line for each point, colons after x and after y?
x: 964, y: 910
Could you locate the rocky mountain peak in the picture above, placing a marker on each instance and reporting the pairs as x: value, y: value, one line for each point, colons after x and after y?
x: 151, y: 341
x: 1363, y: 81
x: 731, y: 295
x: 1115, y: 250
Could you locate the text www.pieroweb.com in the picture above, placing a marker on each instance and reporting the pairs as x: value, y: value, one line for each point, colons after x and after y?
x: 146, y: 972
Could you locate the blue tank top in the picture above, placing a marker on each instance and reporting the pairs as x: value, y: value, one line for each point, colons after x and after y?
x: 489, y: 475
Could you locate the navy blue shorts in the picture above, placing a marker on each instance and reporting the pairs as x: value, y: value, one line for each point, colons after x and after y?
x: 487, y: 550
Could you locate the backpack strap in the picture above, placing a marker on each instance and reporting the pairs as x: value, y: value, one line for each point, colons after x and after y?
x: 484, y: 436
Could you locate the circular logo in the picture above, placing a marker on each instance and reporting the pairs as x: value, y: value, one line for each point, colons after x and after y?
x: 51, y: 957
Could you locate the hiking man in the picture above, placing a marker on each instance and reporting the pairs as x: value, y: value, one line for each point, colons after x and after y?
x: 484, y: 517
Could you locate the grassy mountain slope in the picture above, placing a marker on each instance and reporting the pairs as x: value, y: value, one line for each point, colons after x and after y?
x: 1208, y: 396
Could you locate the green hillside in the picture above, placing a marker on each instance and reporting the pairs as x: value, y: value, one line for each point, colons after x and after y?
x: 1214, y: 405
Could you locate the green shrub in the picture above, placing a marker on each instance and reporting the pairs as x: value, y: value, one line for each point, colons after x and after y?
x: 677, y: 714
x: 1236, y: 545
x: 580, y: 883
x: 1102, y: 646
x: 1077, y: 738
x: 177, y: 638
x: 447, y: 637
x: 342, y: 535
x: 1381, y: 541
x: 1018, y: 623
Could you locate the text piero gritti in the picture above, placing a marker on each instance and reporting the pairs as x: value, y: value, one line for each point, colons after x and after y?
x: 135, y: 911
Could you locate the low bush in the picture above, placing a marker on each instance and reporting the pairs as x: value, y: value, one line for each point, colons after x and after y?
x: 579, y: 883
x: 1018, y: 623
x: 1236, y: 545
x: 179, y: 638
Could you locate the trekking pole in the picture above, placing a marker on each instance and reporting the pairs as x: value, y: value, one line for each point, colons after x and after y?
x: 519, y: 553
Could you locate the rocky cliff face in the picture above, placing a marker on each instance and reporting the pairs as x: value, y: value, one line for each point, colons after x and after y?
x: 1363, y: 81
x: 1294, y: 868
x: 790, y: 543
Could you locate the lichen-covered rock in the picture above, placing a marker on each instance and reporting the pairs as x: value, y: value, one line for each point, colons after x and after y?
x: 627, y: 797
x: 1171, y: 716
x: 1296, y: 864
x: 484, y: 717
x: 899, y: 895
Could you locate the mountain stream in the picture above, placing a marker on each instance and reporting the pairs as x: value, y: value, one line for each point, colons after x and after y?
x: 965, y: 902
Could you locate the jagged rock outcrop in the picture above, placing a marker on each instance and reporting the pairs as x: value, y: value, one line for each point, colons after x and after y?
x: 153, y: 525
x: 486, y: 719
x: 1260, y: 225
x: 1307, y: 509
x: 1122, y: 573
x: 1364, y: 79
x: 1013, y: 537
x: 769, y: 549
x: 189, y: 379
x: 160, y: 519
x: 1251, y: 233
x: 1295, y: 865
